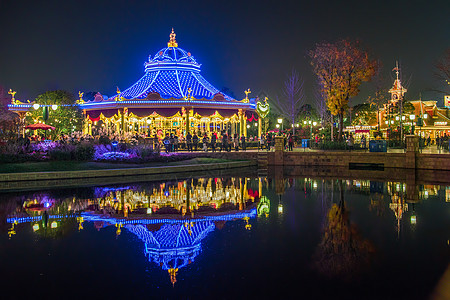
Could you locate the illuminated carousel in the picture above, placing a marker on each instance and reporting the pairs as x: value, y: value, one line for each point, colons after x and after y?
x: 172, y: 96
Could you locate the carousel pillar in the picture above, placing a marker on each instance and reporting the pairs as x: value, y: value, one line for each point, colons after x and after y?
x: 90, y: 127
x: 187, y: 121
x: 85, y: 123
x: 259, y: 127
x: 22, y: 116
x: 245, y: 125
x: 241, y: 123
x: 122, y: 121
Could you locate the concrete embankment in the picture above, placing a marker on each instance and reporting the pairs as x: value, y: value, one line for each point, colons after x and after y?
x: 57, y: 179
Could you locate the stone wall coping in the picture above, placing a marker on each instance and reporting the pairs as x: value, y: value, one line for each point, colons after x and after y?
x: 121, y: 172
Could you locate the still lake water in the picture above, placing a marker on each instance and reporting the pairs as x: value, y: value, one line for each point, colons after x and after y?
x: 227, y: 238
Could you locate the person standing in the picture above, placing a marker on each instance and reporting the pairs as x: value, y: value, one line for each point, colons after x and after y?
x: 363, y: 141
x: 175, y: 143
x: 213, y: 142
x: 205, y: 143
x: 261, y: 142
x: 195, y: 141
x: 269, y: 142
x: 189, y: 142
x: 243, y: 142
x: 291, y: 142
x: 236, y: 142
x: 224, y: 142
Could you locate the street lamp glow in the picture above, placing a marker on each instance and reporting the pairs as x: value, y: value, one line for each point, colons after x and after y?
x: 248, y: 126
x: 396, y: 118
x: 149, y: 121
x: 386, y: 122
x: 280, y: 121
x: 297, y: 125
x: 425, y: 116
x: 392, y: 122
x: 256, y: 124
x: 36, y: 106
x: 54, y: 107
x: 278, y: 125
x: 304, y: 122
x: 412, y: 117
x: 314, y: 123
x: 309, y: 122
x: 403, y: 118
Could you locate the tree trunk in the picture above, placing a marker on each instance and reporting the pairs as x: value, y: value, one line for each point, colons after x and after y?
x: 332, y: 128
x: 341, y: 125
x: 293, y: 126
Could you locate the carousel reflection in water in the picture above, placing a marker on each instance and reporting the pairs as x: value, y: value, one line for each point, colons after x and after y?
x: 171, y: 218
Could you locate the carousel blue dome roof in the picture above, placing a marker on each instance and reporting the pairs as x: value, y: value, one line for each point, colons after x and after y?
x: 172, y: 73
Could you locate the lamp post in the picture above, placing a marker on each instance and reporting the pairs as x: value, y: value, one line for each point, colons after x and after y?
x: 280, y: 121
x: 412, y: 118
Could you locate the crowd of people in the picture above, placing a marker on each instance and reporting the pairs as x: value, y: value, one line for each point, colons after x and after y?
x: 214, y: 141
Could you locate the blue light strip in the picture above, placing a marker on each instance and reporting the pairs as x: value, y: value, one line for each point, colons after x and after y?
x: 40, y: 105
x: 89, y: 217
x: 175, y: 102
x: 37, y: 218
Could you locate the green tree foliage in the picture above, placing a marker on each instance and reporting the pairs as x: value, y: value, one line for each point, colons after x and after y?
x: 66, y: 118
x: 364, y: 114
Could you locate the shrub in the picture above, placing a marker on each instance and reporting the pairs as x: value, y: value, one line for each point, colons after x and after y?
x: 104, y: 140
x: 84, y: 151
x: 60, y: 154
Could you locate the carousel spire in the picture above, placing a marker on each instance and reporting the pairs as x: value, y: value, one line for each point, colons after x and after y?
x: 172, y: 42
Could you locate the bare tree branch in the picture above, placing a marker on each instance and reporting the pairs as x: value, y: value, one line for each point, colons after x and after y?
x: 292, y: 100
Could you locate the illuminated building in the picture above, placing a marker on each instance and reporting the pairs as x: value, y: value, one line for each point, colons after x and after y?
x: 172, y: 96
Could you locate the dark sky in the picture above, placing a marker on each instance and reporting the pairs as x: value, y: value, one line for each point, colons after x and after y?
x: 96, y: 45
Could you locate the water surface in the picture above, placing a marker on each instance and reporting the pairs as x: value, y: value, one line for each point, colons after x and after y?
x: 227, y: 237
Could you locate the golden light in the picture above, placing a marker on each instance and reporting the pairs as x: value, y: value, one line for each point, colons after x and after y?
x: 280, y: 208
x: 413, y: 220
x: 54, y: 225
x: 35, y: 227
x: 280, y: 121
x: 278, y: 125
x: 149, y: 121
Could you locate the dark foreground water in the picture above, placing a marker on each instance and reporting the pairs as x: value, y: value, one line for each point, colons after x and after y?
x: 227, y: 238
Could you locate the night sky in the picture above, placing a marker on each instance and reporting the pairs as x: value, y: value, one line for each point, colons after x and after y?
x: 98, y: 45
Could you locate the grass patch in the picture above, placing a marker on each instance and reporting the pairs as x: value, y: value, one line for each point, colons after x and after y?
x: 28, y: 167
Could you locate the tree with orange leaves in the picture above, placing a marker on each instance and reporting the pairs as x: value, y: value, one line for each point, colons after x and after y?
x: 341, y: 67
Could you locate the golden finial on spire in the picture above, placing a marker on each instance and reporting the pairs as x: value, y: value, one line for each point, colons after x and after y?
x: 80, y: 97
x: 12, y: 93
x: 246, y: 100
x: 172, y: 42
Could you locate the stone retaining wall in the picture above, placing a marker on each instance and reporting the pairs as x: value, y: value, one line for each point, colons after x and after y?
x: 33, y: 176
